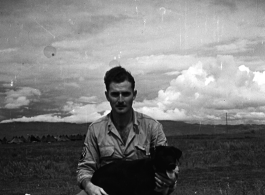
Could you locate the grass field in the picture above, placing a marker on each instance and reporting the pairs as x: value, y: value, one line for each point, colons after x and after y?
x: 211, y: 164
x: 225, y: 164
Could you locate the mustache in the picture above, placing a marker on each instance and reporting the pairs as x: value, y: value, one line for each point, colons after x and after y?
x: 121, y: 105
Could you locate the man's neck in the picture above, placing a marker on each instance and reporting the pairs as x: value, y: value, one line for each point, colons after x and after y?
x: 121, y: 121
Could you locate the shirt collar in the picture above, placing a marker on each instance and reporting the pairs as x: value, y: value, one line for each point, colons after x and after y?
x: 135, y: 122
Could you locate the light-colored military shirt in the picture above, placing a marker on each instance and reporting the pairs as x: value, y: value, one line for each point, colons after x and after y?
x: 103, y: 143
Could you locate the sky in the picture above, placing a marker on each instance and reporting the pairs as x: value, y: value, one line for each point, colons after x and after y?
x: 199, y: 61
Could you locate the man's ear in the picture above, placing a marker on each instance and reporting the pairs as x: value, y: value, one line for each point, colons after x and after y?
x: 134, y: 94
x: 107, y: 95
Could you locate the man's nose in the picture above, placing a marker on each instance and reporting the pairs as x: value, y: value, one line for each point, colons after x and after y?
x: 121, y: 98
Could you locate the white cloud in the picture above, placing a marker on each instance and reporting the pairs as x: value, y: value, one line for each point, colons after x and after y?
x: 244, y: 68
x: 259, y: 78
x: 92, y: 33
x: 173, y: 73
x: 78, y: 113
x: 9, y: 50
x: 21, y: 97
x: 72, y: 84
x: 39, y: 118
x: 160, y: 114
x: 92, y: 99
x: 85, y: 113
x: 205, y: 93
x: 235, y: 47
x: 160, y: 63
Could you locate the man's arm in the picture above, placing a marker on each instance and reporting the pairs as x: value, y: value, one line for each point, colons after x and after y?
x: 87, y: 165
x: 158, y: 136
x: 164, y: 183
x: 92, y: 189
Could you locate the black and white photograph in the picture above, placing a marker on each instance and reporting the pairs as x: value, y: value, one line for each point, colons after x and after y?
x: 141, y: 97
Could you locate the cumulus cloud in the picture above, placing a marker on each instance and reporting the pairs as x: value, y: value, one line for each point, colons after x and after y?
x: 207, y: 91
x: 76, y: 113
x: 21, y: 97
x: 39, y: 118
x: 149, y: 40
x: 203, y: 92
x: 162, y: 114
x: 259, y: 78
x: 158, y: 63
x: 85, y: 113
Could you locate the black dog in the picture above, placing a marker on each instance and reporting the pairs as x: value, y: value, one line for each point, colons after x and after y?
x: 137, y: 177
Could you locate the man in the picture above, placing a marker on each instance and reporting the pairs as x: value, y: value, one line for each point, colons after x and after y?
x: 122, y: 134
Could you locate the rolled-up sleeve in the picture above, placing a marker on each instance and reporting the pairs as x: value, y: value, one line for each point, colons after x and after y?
x: 158, y: 135
x: 89, y: 159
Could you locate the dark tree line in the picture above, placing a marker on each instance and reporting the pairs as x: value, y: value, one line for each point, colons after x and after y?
x: 44, y: 138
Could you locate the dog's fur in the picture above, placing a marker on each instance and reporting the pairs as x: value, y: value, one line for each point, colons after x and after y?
x: 137, y: 177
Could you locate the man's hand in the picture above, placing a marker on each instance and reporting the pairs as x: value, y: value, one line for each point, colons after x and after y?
x: 165, y: 184
x: 92, y: 189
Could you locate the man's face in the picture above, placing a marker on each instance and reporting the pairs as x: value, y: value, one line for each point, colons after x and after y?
x: 120, y: 96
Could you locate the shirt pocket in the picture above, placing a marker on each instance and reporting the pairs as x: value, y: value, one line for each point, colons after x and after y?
x: 106, y: 151
x: 142, y: 151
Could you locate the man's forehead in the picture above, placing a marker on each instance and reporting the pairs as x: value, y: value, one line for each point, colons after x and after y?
x: 125, y: 85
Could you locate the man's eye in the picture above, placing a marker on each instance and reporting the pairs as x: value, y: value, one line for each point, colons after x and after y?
x: 114, y: 94
x: 126, y: 94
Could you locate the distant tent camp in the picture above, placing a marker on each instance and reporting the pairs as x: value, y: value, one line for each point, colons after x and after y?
x: 15, y: 140
x: 76, y: 137
x: 63, y: 138
x: 43, y: 138
x: 4, y: 141
x: 48, y: 139
x: 33, y: 139
x: 23, y: 139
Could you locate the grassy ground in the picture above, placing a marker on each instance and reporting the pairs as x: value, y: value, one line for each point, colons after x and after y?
x: 232, y: 164
x: 39, y: 168
x: 210, y: 165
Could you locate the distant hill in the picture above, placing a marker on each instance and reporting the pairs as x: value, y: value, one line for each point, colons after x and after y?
x: 171, y: 128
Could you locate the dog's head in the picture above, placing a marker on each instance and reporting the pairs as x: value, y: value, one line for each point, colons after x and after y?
x: 166, y: 159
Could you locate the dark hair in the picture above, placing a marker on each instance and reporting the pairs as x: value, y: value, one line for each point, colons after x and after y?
x: 118, y: 74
